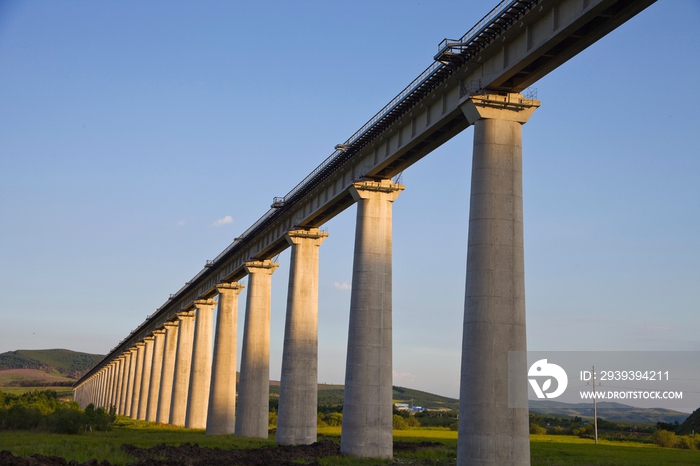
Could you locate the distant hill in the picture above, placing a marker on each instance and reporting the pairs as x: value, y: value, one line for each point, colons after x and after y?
x: 32, y: 378
x: 692, y: 424
x: 329, y: 394
x: 71, y: 364
x: 608, y: 411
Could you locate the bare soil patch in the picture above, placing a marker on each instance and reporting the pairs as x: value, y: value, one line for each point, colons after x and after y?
x: 194, y: 455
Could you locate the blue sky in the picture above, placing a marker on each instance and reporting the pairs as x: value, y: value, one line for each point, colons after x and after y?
x: 128, y: 129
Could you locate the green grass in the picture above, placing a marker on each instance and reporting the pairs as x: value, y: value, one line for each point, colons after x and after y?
x: 547, y: 450
x: 555, y: 450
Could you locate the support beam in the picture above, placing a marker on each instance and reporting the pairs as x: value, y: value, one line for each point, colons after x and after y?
x: 168, y: 372
x: 221, y: 417
x: 490, y: 431
x: 297, y: 415
x: 367, y: 409
x: 183, y: 365
x: 200, y: 375
x: 254, y: 389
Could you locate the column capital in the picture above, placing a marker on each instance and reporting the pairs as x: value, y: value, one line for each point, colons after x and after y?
x: 171, y: 323
x: 133, y: 349
x: 229, y: 287
x: 148, y: 338
x: 297, y: 236
x: 511, y: 107
x: 200, y: 303
x: 140, y: 344
x: 365, y: 189
x: 264, y: 266
x: 185, y: 314
x: 159, y: 331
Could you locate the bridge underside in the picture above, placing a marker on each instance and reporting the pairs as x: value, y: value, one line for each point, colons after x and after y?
x: 475, y: 81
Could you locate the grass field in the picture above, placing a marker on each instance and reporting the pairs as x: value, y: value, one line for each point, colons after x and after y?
x: 546, y: 450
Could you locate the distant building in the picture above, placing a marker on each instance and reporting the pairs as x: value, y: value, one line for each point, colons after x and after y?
x: 402, y: 406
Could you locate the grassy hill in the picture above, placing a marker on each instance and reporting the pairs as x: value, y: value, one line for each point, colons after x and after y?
x: 32, y: 378
x: 71, y: 364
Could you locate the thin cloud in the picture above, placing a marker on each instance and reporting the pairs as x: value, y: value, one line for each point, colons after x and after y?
x: 180, y: 223
x: 342, y: 286
x: 223, y: 221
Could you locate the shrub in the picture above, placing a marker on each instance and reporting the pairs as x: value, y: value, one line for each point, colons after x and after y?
x: 686, y: 442
x: 335, y: 419
x: 538, y: 430
x: 66, y: 421
x: 664, y: 438
x: 399, y: 422
x: 411, y: 421
x: 584, y: 430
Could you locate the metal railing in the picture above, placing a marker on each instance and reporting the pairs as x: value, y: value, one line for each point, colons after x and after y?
x: 478, y: 27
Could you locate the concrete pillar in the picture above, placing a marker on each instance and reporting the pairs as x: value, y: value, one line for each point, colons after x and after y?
x: 99, y: 386
x: 111, y: 370
x: 490, y: 431
x: 130, y: 381
x: 145, y: 377
x: 156, y: 373
x: 221, y: 416
x: 254, y: 387
x: 138, y: 374
x: 367, y: 410
x: 168, y: 372
x: 200, y: 374
x: 297, y: 415
x: 124, y: 379
x: 183, y: 364
x: 117, y: 382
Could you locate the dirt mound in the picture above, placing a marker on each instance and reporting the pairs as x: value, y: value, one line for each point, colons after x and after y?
x: 8, y: 459
x: 194, y: 455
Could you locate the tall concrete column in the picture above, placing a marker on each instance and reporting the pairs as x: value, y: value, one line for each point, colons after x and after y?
x: 138, y: 374
x: 183, y: 365
x: 110, y: 384
x: 297, y: 415
x: 221, y: 416
x: 200, y: 374
x: 145, y: 377
x: 490, y: 431
x: 133, y: 351
x: 367, y: 409
x: 126, y: 363
x: 156, y: 373
x: 168, y: 372
x: 254, y: 388
x: 118, y: 382
x: 99, y: 385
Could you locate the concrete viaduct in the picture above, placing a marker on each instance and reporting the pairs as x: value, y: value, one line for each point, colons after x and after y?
x: 165, y: 370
